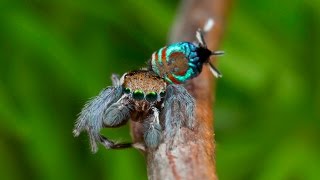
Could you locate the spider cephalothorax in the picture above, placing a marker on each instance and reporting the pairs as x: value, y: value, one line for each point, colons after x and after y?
x: 145, y: 88
x: 141, y: 94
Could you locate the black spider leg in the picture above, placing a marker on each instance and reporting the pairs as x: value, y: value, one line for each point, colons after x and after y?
x: 112, y: 145
x: 109, y: 144
x: 203, y: 45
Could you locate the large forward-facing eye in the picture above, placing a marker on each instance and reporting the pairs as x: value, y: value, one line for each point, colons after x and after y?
x: 151, y: 96
x: 138, y: 95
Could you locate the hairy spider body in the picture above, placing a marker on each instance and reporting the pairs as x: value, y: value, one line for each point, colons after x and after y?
x: 181, y: 61
x: 140, y: 94
x: 145, y: 88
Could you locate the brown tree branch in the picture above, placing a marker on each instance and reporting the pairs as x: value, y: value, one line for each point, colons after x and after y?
x: 192, y: 152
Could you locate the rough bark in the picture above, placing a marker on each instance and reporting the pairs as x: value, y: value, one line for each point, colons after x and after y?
x: 191, y: 154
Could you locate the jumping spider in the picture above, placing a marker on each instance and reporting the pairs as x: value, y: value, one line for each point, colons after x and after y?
x: 141, y: 95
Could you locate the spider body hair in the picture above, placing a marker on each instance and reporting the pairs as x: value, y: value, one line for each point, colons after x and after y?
x: 141, y: 95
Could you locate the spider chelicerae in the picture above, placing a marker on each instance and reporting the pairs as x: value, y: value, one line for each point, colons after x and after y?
x: 142, y: 96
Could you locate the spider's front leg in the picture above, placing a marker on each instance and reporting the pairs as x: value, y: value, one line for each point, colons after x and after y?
x: 152, y: 134
x: 91, y: 116
x: 100, y: 112
x: 115, y: 78
x: 116, y: 115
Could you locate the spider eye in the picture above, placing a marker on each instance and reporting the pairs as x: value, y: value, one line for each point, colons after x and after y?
x: 151, y: 96
x: 127, y: 90
x: 162, y: 94
x: 138, y: 95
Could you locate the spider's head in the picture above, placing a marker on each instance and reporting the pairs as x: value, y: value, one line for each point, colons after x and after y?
x: 143, y: 87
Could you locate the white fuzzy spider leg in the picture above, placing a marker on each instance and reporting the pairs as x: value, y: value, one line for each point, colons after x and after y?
x: 91, y: 116
x: 92, y: 113
x: 152, y: 134
x: 179, y: 109
x: 118, y: 113
x: 115, y: 80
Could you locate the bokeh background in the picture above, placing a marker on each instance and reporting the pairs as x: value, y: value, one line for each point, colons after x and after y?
x: 54, y: 55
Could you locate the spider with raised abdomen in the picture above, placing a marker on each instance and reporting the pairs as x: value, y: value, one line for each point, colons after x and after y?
x: 145, y: 97
x: 179, y: 62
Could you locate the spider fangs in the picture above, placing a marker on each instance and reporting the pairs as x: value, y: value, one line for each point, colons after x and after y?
x: 140, y: 94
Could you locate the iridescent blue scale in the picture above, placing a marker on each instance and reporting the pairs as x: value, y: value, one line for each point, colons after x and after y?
x: 179, y: 62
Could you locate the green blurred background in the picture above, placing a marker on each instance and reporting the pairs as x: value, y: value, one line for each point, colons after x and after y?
x: 54, y: 55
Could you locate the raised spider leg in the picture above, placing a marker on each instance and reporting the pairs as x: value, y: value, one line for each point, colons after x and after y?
x: 200, y: 33
x: 200, y: 38
x: 115, y: 80
x: 179, y: 109
x: 202, y: 43
x: 152, y: 134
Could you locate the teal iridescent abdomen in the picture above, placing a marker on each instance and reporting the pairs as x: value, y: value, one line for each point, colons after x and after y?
x: 179, y: 62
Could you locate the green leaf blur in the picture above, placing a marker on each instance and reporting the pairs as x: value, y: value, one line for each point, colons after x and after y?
x: 55, y: 55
